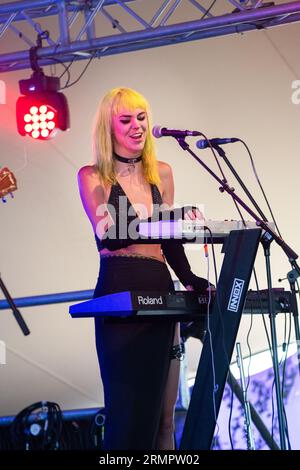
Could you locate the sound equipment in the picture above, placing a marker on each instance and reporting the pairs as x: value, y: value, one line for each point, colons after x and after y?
x: 43, y: 426
x: 191, y: 231
x: 178, y: 305
x: 171, y: 305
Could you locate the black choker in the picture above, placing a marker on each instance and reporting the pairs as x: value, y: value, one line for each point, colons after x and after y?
x: 130, y: 161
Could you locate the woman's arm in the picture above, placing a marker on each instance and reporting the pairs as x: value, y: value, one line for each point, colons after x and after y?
x: 93, y: 197
x: 167, y: 183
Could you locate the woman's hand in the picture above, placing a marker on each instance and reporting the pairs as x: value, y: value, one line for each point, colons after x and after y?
x: 189, y: 288
x: 194, y: 214
x: 210, y: 288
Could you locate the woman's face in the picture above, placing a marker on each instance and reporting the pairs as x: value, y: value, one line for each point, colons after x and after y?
x: 129, y: 130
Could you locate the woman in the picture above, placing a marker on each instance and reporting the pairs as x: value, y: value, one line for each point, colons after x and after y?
x: 138, y: 360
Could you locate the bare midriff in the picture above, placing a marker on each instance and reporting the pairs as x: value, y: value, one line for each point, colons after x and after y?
x: 152, y: 251
x: 144, y: 251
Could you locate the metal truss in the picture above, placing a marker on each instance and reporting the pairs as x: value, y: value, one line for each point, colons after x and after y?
x: 79, y: 29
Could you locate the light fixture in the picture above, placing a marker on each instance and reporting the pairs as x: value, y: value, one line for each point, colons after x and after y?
x: 42, y: 109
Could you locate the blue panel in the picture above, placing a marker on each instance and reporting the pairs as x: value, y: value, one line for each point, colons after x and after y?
x: 110, y: 304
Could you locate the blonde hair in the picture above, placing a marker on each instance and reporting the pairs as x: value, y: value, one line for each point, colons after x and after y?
x: 112, y: 103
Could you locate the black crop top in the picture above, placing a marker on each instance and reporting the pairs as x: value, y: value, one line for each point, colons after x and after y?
x: 125, y: 212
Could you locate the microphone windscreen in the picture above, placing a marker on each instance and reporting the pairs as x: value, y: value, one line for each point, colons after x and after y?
x: 156, y: 131
x: 202, y: 144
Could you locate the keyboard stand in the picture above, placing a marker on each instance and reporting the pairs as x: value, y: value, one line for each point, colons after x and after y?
x: 240, y: 252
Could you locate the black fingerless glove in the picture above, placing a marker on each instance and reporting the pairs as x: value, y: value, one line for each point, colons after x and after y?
x: 200, y: 284
x: 177, y: 213
x: 177, y: 260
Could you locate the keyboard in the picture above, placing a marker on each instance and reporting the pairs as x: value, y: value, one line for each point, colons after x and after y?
x: 178, y: 305
x: 192, y: 231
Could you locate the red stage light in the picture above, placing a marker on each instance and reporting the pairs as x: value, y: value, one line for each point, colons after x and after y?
x: 43, y: 110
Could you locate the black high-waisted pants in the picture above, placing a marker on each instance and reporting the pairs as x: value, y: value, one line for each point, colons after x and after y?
x: 134, y: 358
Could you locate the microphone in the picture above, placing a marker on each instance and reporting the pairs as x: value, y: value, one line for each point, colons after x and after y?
x: 159, y: 131
x: 203, y: 144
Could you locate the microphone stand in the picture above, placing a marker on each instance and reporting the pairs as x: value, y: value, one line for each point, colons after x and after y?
x: 222, y: 154
x: 292, y: 275
x: 17, y: 314
x: 267, y: 238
